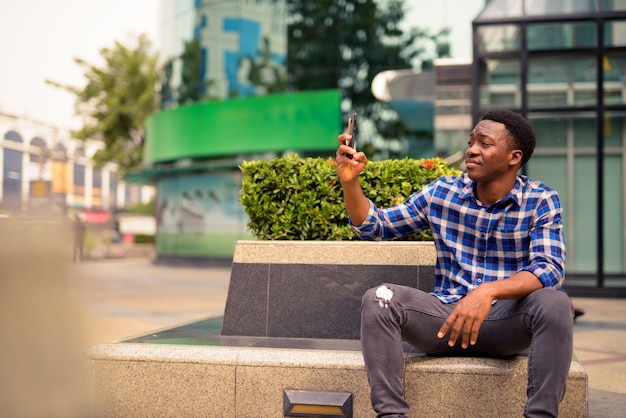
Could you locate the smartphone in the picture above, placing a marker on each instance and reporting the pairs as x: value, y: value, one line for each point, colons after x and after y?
x: 352, y: 129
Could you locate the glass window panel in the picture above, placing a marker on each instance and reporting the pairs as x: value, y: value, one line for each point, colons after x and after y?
x: 495, y: 38
x: 562, y: 81
x: 554, y: 131
x: 111, y: 202
x: 584, y: 131
x: 448, y: 142
x: 614, y: 5
x: 551, y: 133
x: 614, y: 130
x: 614, y: 214
x: 544, y: 99
x: 500, y: 83
x: 612, y: 96
x: 615, y: 33
x: 583, y: 250
x: 552, y: 7
x: 583, y: 98
x: 97, y: 178
x: 561, y: 35
x: 450, y: 110
x: 552, y: 170
x: 12, y: 179
x: 572, y: 173
x: 453, y: 93
x: 79, y: 175
x: 614, y: 67
x: 497, y: 9
x: 38, y: 150
x: 13, y: 136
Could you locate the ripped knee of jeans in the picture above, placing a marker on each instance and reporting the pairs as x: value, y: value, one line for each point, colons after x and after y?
x: 383, y: 296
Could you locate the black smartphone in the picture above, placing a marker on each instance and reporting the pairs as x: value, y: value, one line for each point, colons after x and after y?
x: 352, y: 129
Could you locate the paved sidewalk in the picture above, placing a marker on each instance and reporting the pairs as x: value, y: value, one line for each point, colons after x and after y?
x: 133, y: 297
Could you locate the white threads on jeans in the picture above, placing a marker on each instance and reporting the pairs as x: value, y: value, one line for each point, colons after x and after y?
x: 383, y: 296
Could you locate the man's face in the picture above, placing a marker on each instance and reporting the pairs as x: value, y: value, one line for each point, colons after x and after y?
x: 489, y: 156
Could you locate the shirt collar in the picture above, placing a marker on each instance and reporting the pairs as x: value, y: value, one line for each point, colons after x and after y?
x: 515, y: 194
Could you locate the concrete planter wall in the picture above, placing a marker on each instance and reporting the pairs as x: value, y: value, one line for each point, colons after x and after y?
x: 313, y: 289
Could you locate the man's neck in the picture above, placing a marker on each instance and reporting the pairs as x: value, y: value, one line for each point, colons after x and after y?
x: 490, y: 192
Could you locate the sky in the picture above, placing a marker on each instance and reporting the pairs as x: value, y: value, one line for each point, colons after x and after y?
x: 39, y: 40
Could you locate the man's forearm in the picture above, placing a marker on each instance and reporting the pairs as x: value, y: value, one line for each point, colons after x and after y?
x: 517, y: 286
x: 357, y: 205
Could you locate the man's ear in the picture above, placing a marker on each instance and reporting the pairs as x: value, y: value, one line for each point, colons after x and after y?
x: 516, y: 157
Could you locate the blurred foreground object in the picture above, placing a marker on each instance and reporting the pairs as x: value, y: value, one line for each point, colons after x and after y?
x: 42, y: 360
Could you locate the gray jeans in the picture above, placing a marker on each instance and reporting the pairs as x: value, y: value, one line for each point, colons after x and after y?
x: 541, y: 322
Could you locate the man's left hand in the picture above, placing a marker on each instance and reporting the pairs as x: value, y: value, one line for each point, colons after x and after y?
x: 467, y: 317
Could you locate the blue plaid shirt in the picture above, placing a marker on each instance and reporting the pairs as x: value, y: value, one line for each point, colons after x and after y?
x: 478, y: 243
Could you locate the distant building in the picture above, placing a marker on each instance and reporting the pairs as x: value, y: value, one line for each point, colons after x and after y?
x: 194, y: 148
x: 44, y: 170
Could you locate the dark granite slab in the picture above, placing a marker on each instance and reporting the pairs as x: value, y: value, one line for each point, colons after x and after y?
x: 308, y: 300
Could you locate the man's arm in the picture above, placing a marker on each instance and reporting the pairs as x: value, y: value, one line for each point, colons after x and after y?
x: 348, y: 170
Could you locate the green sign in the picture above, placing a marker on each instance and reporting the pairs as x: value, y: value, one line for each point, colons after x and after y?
x: 305, y: 121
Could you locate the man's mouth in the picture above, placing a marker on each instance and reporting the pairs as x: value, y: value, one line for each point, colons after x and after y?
x: 471, y: 163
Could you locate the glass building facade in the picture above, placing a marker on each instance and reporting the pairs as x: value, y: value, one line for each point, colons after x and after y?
x: 562, y: 64
x: 238, y: 40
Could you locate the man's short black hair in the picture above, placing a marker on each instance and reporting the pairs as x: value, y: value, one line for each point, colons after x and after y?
x: 519, y: 128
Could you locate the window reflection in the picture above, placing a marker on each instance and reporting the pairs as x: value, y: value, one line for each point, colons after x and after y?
x: 500, y: 83
x: 561, y: 81
x: 612, y: 5
x: 560, y: 36
x: 614, y: 67
x: 501, y: 8
x: 615, y: 33
x: 551, y: 7
x: 498, y: 38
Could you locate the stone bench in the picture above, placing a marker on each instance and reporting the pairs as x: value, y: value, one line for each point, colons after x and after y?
x: 291, y: 324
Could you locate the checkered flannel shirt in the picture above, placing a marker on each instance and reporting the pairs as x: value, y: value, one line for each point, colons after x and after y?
x: 478, y: 243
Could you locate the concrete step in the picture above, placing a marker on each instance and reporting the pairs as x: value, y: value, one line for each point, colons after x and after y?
x: 158, y: 380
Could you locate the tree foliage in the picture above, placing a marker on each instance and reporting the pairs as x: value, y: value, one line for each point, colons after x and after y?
x: 191, y: 88
x: 345, y: 43
x: 268, y: 76
x: 116, y: 100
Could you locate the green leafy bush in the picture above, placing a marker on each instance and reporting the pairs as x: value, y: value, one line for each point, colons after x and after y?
x: 293, y: 198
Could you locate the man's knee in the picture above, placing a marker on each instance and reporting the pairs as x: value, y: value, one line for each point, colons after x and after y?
x: 553, y: 305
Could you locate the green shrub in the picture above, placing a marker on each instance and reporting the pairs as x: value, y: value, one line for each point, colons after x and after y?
x: 292, y: 198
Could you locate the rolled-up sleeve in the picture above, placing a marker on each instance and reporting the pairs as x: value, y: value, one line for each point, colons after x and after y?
x: 367, y: 229
x: 395, y: 222
x: 547, y: 244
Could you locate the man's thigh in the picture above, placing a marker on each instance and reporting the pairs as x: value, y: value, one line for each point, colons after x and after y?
x: 505, y: 331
